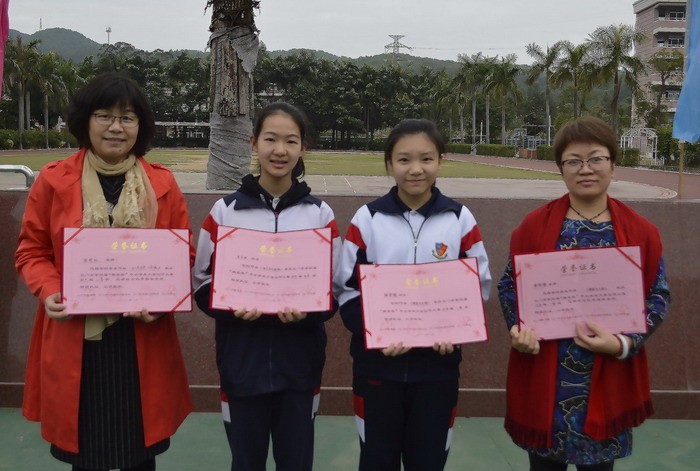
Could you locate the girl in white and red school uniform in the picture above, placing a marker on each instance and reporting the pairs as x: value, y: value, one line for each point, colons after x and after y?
x: 405, y: 398
x: 270, y: 365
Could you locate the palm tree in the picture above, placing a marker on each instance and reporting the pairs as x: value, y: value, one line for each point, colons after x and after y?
x: 545, y: 60
x: 234, y: 47
x: 611, y: 49
x: 573, y: 67
x: 471, y: 78
x: 461, y: 91
x: 20, y: 60
x: 50, y: 83
x: 502, y: 82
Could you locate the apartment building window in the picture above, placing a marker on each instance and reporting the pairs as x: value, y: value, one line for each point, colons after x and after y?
x: 671, y: 15
x: 672, y: 95
x: 675, y: 41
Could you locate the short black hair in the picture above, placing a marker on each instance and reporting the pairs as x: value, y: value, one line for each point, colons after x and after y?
x: 409, y: 127
x: 104, y: 92
x: 298, y: 116
x: 587, y: 129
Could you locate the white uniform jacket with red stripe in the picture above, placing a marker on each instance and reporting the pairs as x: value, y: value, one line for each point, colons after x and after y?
x: 265, y: 355
x: 386, y: 231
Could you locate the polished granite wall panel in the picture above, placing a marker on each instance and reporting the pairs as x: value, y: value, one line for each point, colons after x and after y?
x: 673, y: 356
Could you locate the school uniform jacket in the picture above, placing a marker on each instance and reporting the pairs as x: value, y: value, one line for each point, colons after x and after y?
x: 54, y: 364
x: 386, y: 231
x: 264, y: 355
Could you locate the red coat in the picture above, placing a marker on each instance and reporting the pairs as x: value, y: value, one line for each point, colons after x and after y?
x: 54, y: 365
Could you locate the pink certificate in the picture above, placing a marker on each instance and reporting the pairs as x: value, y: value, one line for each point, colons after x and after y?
x: 558, y: 289
x: 117, y: 270
x: 272, y: 270
x: 420, y: 305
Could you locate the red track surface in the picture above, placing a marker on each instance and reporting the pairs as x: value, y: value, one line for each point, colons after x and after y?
x: 691, y: 182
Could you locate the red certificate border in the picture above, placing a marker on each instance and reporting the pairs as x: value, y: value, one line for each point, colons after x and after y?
x: 185, y: 302
x: 362, y: 277
x: 517, y: 273
x: 231, y: 230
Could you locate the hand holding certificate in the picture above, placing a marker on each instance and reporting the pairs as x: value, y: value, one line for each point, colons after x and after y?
x: 556, y: 290
x: 420, y: 305
x: 117, y: 270
x: 271, y: 271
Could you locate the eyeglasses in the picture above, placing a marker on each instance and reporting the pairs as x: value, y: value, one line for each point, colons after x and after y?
x: 105, y: 119
x: 595, y: 163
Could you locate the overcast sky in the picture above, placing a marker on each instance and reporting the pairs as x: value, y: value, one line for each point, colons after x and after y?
x: 438, y: 28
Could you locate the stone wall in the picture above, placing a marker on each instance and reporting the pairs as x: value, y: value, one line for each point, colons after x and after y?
x: 673, y: 351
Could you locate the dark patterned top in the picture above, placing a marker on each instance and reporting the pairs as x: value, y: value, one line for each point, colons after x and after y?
x: 575, y: 364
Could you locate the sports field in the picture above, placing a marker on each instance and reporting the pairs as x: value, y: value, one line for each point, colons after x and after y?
x: 317, y: 163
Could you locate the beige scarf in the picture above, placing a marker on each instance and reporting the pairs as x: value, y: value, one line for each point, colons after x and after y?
x: 137, y: 207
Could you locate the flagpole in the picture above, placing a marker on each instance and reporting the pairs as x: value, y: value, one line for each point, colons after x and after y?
x: 681, y: 163
x: 681, y: 169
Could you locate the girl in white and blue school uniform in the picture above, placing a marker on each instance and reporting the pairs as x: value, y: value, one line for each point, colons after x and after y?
x: 270, y: 365
x: 405, y: 398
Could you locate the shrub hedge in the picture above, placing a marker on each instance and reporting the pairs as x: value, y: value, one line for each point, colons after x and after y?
x: 459, y: 148
x: 496, y: 150
x: 627, y: 157
x: 545, y: 152
x: 35, y: 139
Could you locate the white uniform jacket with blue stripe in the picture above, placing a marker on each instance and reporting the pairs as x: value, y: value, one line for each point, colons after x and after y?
x: 386, y: 231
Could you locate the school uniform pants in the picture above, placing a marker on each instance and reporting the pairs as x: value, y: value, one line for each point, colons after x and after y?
x: 285, y: 416
x: 404, y: 422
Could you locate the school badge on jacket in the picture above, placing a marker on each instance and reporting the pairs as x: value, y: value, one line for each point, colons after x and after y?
x: 440, y: 251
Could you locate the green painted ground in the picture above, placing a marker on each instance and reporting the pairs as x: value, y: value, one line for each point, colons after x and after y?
x: 478, y: 444
x: 316, y: 164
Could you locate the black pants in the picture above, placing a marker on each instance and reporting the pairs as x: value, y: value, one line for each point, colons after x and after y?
x: 404, y: 422
x: 148, y: 465
x: 286, y: 416
x: 537, y: 463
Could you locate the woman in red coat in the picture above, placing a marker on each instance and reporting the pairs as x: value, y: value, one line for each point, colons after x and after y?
x: 576, y: 400
x: 109, y: 390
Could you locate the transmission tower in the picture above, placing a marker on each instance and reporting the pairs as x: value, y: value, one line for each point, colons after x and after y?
x: 108, y: 30
x: 395, y: 47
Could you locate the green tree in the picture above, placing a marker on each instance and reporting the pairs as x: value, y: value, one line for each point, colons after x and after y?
x: 611, y: 50
x: 20, y: 69
x: 502, y: 82
x: 471, y: 79
x: 543, y: 65
x: 50, y: 83
x: 667, y: 63
x: 574, y: 67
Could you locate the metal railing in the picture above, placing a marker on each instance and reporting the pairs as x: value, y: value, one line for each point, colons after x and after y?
x: 28, y: 172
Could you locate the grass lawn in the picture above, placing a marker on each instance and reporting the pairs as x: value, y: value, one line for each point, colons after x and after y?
x: 317, y: 163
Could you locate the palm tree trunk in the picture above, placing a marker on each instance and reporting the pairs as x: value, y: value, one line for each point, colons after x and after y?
x: 616, y: 104
x: 546, y: 107
x: 234, y: 46
x: 20, y: 113
x: 46, y: 119
x: 503, y: 121
x: 474, y: 119
x: 28, y: 115
x: 461, y: 122
x: 488, y: 118
x: 450, y: 125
